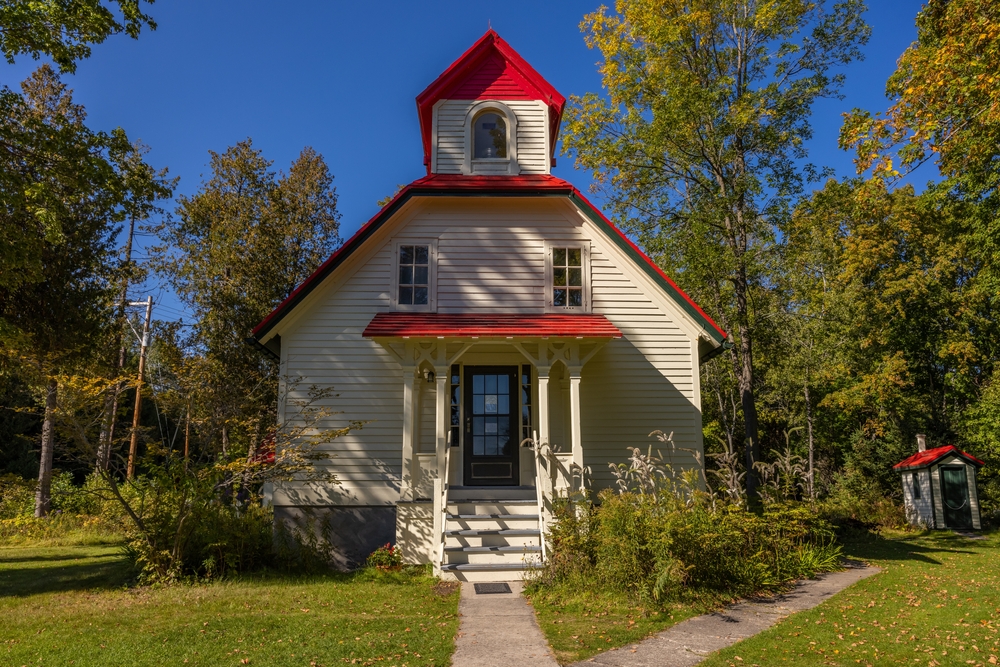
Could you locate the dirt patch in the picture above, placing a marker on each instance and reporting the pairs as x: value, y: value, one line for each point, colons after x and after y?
x: 445, y: 588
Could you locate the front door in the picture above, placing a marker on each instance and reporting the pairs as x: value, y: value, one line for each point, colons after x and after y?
x: 491, y: 425
x: 955, y: 487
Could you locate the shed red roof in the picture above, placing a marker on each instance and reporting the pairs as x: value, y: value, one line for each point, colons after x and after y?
x: 435, y: 325
x: 931, y: 456
x: 489, y: 70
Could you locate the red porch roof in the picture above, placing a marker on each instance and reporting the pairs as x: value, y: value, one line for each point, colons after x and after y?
x: 931, y: 456
x: 438, y: 325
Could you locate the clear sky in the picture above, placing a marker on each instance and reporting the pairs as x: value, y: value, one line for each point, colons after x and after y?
x: 342, y: 77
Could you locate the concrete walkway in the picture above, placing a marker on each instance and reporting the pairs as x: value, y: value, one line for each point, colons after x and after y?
x: 690, y: 641
x: 499, y: 630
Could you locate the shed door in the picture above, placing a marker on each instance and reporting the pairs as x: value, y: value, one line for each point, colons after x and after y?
x: 491, y: 425
x: 955, y: 488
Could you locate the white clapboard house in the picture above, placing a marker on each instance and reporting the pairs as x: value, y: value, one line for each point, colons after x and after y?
x: 487, y: 302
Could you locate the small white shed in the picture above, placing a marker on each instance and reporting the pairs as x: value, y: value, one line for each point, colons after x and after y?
x: 939, y: 487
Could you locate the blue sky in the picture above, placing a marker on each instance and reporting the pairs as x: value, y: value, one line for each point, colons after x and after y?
x: 342, y: 77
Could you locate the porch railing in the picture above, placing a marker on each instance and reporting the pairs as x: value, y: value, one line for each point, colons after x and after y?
x: 441, y: 500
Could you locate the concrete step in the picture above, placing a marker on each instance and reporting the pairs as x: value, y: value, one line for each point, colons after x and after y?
x: 487, y: 571
x: 484, y: 517
x: 491, y: 558
x: 525, y: 548
x: 509, y: 532
x: 492, y: 492
x: 479, y: 507
x: 508, y: 522
x: 518, y: 541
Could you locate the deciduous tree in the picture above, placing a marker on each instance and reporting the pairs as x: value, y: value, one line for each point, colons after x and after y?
x: 697, y: 137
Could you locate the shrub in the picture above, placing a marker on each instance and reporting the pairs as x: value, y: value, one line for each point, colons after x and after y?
x: 660, y: 537
x: 17, y: 497
x: 385, y: 558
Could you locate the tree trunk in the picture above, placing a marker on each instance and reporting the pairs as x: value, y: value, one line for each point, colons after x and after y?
x: 809, y: 431
x: 43, y: 494
x: 749, y: 405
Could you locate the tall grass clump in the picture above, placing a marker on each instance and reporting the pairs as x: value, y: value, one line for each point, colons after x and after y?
x: 662, y: 536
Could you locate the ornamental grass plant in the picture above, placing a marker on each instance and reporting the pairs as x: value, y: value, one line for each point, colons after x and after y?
x: 663, y: 536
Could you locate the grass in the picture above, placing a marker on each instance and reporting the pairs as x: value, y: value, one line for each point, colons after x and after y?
x: 937, y: 602
x: 68, y: 605
x: 579, y: 624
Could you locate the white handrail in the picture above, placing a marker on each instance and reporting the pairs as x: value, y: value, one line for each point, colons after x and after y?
x: 443, y: 498
x: 539, y: 493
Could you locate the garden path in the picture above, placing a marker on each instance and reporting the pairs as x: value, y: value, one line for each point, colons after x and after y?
x: 690, y: 641
x: 499, y: 630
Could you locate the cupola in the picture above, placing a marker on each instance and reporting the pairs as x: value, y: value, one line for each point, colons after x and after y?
x: 490, y: 113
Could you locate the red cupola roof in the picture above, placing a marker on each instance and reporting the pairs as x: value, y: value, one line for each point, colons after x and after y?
x: 491, y: 70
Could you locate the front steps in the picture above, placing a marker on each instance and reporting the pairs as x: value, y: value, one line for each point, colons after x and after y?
x: 491, y: 534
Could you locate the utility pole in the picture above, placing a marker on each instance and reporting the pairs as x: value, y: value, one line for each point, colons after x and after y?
x: 134, y: 444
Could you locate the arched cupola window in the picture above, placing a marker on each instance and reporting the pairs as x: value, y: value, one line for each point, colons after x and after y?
x: 489, y: 135
x: 491, y: 139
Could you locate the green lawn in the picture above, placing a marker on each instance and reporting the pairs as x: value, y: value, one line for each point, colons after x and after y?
x: 580, y: 624
x: 70, y: 606
x: 937, y: 602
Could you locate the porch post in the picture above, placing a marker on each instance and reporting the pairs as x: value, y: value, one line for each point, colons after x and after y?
x: 576, y: 440
x: 441, y: 420
x: 406, y: 491
x: 543, y: 405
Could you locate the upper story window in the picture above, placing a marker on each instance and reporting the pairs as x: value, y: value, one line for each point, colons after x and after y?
x: 489, y: 136
x: 567, y: 282
x: 414, y: 284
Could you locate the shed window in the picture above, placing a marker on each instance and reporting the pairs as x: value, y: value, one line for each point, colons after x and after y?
x: 489, y: 136
x: 916, y: 485
x: 414, y: 275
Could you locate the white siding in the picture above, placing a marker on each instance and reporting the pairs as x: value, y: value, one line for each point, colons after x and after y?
x: 918, y: 510
x: 449, y: 149
x: 491, y: 259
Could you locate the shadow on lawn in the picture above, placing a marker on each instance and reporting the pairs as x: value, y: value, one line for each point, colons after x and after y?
x: 872, y: 547
x: 87, y: 574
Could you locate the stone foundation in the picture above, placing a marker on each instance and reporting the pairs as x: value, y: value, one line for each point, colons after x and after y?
x: 353, y: 532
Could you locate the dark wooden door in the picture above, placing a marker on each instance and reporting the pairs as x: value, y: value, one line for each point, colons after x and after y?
x: 491, y: 426
x: 955, y: 493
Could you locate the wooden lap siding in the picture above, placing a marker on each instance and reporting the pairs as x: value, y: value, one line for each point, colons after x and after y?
x: 532, y: 150
x: 923, y: 512
x: 490, y: 259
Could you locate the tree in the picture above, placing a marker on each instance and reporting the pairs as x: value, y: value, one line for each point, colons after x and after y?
x: 58, y: 320
x: 65, y: 30
x: 696, y: 142
x: 233, y: 252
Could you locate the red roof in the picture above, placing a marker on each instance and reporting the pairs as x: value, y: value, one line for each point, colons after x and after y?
x: 500, y: 186
x: 931, y: 456
x: 490, y: 69
x: 438, y: 325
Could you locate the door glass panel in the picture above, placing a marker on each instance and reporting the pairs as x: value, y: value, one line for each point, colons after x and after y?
x: 491, y: 410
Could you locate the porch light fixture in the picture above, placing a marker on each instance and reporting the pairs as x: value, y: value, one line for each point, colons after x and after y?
x: 429, y: 376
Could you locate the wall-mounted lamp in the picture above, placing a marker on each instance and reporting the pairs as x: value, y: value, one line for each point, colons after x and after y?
x: 429, y: 376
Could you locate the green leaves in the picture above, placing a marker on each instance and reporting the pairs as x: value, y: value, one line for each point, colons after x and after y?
x: 65, y: 29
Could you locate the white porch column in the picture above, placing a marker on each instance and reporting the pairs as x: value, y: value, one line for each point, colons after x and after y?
x: 576, y: 439
x: 543, y: 405
x: 406, y: 491
x: 441, y: 420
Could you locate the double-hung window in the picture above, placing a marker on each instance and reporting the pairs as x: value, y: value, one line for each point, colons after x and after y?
x: 413, y: 288
x: 567, y: 279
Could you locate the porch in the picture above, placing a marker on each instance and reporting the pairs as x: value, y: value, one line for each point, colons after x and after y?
x: 493, y: 402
